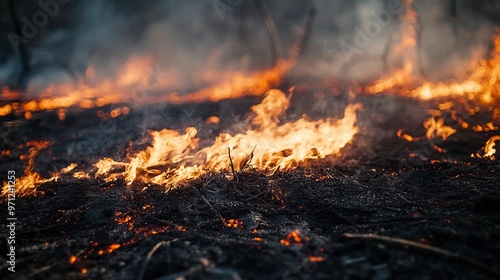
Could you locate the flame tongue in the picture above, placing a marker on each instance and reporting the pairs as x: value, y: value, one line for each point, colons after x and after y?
x: 27, y: 184
x: 267, y: 145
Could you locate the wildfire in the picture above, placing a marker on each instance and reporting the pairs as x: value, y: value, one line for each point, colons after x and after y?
x: 26, y: 185
x: 140, y: 82
x: 239, y: 86
x: 266, y: 145
x: 406, y: 51
x: 481, y: 85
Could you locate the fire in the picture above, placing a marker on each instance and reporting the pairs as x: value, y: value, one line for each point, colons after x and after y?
x: 481, y: 88
x: 266, y: 145
x: 436, y: 128
x: 294, y: 238
x: 233, y: 223
x: 239, y: 85
x: 481, y: 85
x: 26, y: 185
x: 489, y: 150
x: 138, y: 83
x: 112, y: 247
x: 68, y: 168
x: 134, y: 70
x: 316, y: 258
x: 406, y: 51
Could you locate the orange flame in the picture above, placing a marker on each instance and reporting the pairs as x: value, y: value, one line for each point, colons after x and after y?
x: 26, y: 185
x: 437, y: 129
x: 135, y: 82
x: 266, y: 145
x: 489, y: 150
x: 481, y: 85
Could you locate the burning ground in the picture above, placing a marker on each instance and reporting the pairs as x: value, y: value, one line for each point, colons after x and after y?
x: 254, y: 222
x: 270, y: 173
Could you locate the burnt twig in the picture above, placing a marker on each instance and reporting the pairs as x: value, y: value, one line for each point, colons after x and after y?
x: 428, y: 248
x: 247, y: 161
x: 235, y: 175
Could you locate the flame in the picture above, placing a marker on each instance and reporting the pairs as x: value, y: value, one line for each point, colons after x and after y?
x: 436, y: 128
x: 481, y: 85
x: 68, y: 168
x: 406, y: 51
x: 239, y: 85
x: 266, y: 145
x: 112, y: 247
x: 489, y: 150
x: 139, y: 79
x: 26, y: 185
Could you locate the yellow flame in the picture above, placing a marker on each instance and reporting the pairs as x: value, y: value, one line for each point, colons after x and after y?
x: 26, y: 185
x: 266, y: 145
x: 482, y: 84
x: 137, y: 80
x: 436, y: 128
x: 489, y: 150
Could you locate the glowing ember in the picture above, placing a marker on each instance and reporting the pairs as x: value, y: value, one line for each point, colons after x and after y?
x: 212, y: 120
x: 266, y: 145
x: 113, y: 247
x: 233, y: 223
x: 316, y: 258
x: 294, y: 238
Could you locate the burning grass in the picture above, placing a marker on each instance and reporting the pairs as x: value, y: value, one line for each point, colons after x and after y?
x: 174, y: 158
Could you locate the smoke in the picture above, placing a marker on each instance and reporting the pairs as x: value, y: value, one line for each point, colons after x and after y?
x: 196, y: 39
